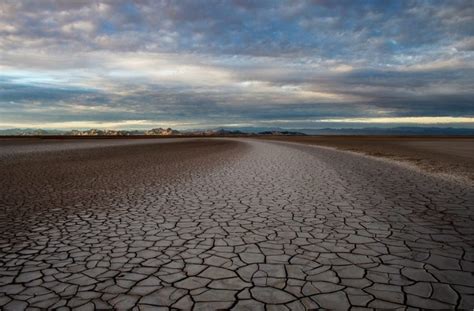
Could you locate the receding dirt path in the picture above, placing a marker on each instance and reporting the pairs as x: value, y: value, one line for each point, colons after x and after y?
x: 232, y: 223
x: 451, y: 156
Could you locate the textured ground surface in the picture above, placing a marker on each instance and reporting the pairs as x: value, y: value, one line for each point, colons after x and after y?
x: 211, y: 224
x: 448, y: 155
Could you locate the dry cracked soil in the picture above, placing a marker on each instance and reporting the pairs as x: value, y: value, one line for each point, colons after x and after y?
x: 227, y: 224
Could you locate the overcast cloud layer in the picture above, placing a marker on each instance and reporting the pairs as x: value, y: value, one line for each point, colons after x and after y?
x: 194, y: 64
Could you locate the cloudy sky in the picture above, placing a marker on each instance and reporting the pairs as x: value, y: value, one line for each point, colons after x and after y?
x: 196, y: 64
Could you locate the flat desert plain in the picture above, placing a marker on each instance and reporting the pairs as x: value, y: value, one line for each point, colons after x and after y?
x: 443, y: 155
x: 231, y: 223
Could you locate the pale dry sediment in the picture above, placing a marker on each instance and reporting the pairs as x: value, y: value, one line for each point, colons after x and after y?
x: 452, y: 157
x: 231, y: 224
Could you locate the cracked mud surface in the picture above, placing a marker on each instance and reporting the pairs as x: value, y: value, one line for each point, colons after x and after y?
x: 244, y: 224
x: 451, y: 156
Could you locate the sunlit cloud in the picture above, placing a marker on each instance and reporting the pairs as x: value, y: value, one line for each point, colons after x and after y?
x: 125, y: 124
x: 405, y: 120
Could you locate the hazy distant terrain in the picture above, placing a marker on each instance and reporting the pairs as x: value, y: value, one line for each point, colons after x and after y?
x: 220, y: 223
x: 390, y: 131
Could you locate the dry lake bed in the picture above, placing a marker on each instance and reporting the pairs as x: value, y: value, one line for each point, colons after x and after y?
x: 239, y: 223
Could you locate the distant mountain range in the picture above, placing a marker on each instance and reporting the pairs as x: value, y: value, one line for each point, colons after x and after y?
x: 404, y: 130
x: 247, y: 131
x: 152, y: 132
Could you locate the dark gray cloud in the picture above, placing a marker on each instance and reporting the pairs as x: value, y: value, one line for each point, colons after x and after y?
x: 325, y: 28
x: 234, y: 61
